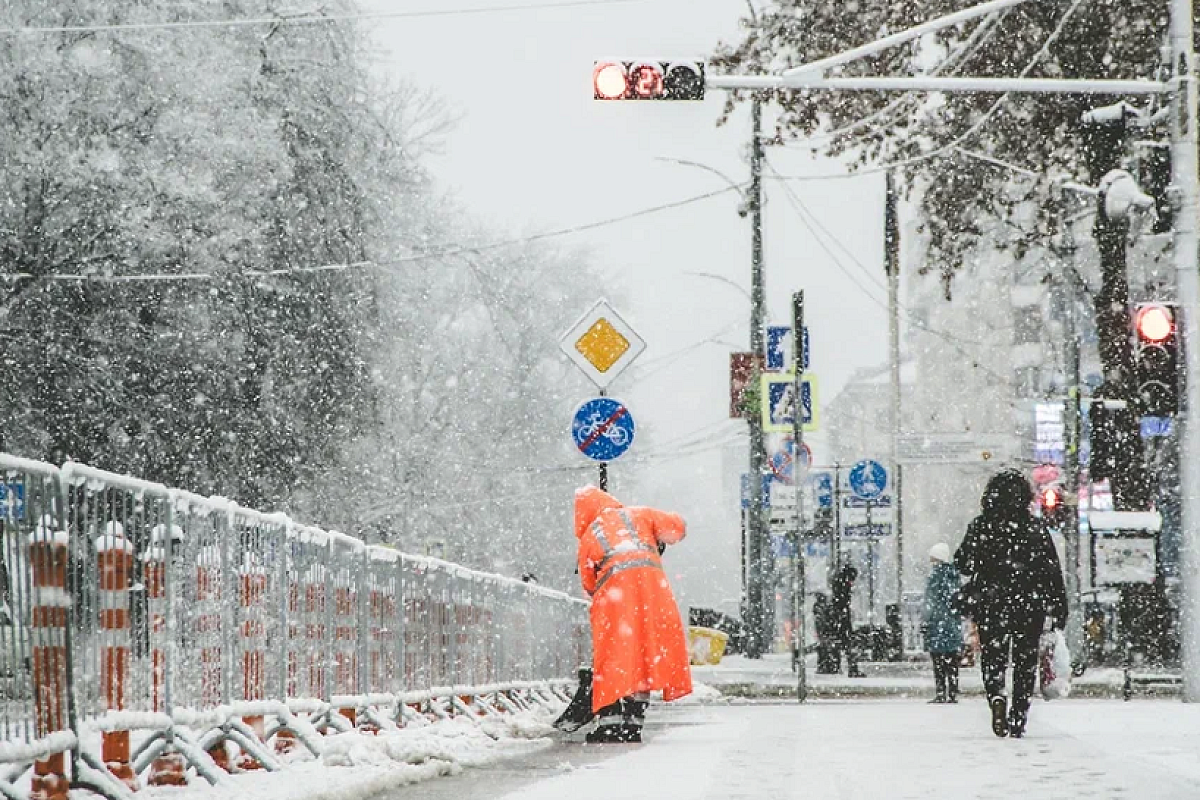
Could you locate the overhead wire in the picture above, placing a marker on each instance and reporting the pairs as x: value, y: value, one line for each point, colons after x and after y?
x: 954, y: 341
x: 307, y: 18
x: 438, y: 251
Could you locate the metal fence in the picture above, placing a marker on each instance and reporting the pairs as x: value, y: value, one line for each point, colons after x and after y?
x: 166, y: 625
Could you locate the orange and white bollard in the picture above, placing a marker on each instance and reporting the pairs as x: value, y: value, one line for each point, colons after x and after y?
x: 114, y: 555
x: 209, y: 597
x: 345, y: 657
x: 253, y: 589
x: 48, y: 629
x: 169, y: 769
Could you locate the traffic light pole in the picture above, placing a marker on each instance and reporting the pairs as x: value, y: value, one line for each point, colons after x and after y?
x: 1186, y: 181
x: 1069, y: 286
x: 759, y: 581
x: 891, y: 233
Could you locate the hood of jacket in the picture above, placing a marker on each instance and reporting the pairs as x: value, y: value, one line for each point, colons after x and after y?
x: 1007, y: 496
x: 589, y: 503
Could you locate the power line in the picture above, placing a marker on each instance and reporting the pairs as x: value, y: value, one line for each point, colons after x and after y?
x: 307, y: 18
x: 441, y: 251
x: 967, y: 134
x: 803, y: 214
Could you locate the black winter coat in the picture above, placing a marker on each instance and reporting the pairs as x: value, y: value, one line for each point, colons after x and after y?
x: 1010, y: 560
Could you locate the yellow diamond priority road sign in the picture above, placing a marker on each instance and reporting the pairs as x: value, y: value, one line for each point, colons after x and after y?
x: 602, y: 344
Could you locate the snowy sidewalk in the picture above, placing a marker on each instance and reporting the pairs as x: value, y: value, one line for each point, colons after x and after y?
x: 860, y: 750
x: 772, y: 676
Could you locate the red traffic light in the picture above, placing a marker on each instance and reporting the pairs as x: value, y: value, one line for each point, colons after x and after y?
x: 1051, y: 498
x: 609, y: 80
x: 1154, y: 323
x: 647, y: 80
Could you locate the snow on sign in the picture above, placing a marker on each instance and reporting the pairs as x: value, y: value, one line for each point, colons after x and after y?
x: 602, y: 344
x: 777, y: 405
x: 783, y: 460
x: 779, y: 349
x: 12, y: 499
x: 951, y: 448
x: 868, y: 479
x: 603, y: 429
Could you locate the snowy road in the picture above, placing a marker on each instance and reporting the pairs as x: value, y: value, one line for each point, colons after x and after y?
x: 867, y: 749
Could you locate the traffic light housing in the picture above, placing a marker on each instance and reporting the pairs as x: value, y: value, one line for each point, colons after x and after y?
x: 648, y: 80
x: 1156, y: 360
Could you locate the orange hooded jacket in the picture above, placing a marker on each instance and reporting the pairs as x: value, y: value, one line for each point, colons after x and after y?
x: 638, y: 642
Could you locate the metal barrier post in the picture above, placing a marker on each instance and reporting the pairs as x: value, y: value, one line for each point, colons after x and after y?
x: 251, y: 593
x: 114, y: 561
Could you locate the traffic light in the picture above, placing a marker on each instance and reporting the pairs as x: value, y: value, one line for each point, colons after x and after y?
x: 648, y: 80
x: 1156, y: 360
x: 1054, y: 510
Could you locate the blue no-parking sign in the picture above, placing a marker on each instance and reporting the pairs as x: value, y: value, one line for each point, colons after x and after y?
x: 603, y: 429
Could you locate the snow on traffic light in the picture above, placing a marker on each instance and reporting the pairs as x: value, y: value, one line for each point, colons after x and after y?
x: 1156, y: 360
x: 648, y: 80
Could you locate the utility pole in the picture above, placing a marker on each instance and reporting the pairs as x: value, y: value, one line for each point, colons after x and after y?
x: 891, y: 233
x: 1069, y: 287
x: 1184, y: 178
x: 758, y: 618
x: 799, y: 474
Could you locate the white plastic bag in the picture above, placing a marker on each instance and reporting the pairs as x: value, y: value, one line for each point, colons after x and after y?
x: 1054, y: 665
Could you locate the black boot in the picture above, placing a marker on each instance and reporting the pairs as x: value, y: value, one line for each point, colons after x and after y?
x: 1016, y: 723
x: 579, y: 711
x: 633, y: 715
x: 999, y: 716
x: 610, y: 728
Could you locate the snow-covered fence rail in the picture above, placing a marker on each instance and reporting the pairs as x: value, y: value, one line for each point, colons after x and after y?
x: 144, y: 629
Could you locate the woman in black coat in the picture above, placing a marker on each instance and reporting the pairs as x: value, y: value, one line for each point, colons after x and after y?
x: 1014, y: 582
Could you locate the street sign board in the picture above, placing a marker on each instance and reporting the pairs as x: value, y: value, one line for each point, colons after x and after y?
x: 783, y: 461
x: 741, y: 373
x: 602, y: 344
x: 852, y: 501
x: 12, y: 499
x: 875, y: 530
x: 603, y: 429
x: 779, y: 349
x: 766, y: 491
x: 868, y: 479
x: 777, y: 404
x: 823, y: 488
x: 951, y: 448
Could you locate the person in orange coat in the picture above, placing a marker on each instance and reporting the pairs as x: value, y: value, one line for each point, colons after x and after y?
x: 638, y: 640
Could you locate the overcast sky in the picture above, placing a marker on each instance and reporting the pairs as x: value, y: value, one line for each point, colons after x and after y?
x: 534, y: 152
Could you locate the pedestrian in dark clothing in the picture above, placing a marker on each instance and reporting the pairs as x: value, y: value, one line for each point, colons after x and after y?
x: 1014, y: 583
x: 942, y: 626
x: 840, y: 624
x: 827, y: 657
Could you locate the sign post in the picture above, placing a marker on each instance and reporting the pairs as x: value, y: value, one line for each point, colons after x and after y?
x: 800, y: 468
x: 602, y: 345
x: 868, y: 480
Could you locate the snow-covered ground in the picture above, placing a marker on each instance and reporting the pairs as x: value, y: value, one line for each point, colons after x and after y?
x: 771, y: 675
x: 859, y: 750
x: 359, y: 765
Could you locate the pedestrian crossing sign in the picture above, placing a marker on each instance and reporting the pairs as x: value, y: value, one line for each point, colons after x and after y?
x: 777, y: 403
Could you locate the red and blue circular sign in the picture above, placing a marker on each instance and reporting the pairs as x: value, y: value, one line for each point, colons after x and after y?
x: 783, y: 461
x: 603, y: 429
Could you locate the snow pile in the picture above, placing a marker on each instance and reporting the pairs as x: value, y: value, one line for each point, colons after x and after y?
x: 702, y: 694
x: 357, y: 765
